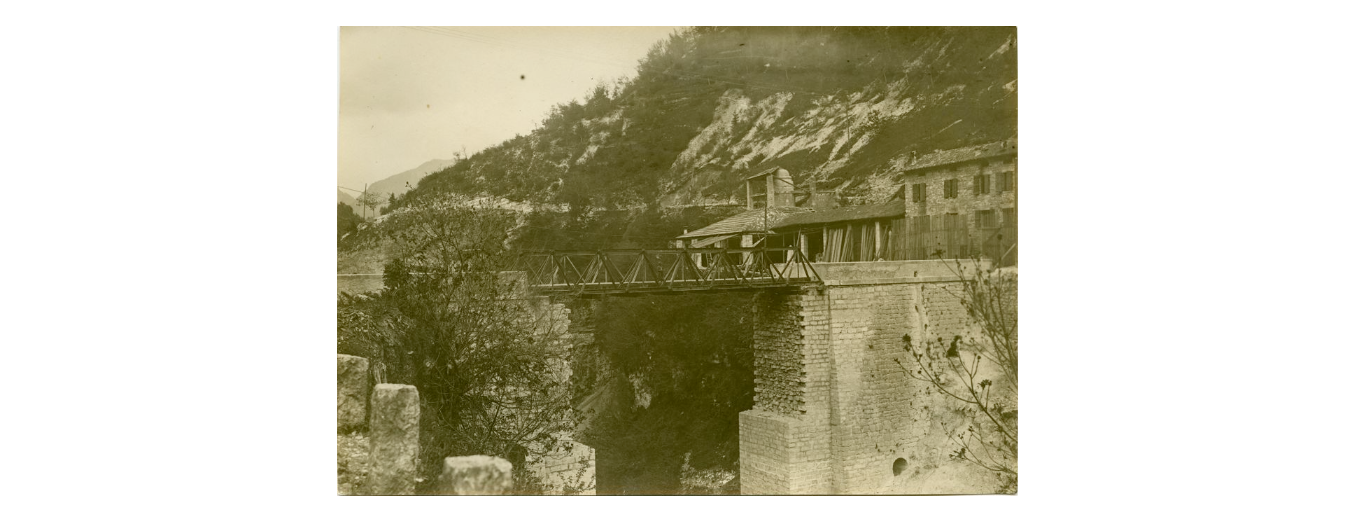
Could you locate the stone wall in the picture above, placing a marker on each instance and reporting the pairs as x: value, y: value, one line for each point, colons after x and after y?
x: 883, y: 415
x: 778, y: 349
x: 860, y: 416
x: 966, y: 201
x: 879, y: 272
x: 571, y: 468
x: 784, y: 442
x: 360, y: 283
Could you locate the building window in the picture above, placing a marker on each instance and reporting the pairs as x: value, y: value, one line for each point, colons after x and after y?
x: 951, y: 188
x: 982, y: 184
x: 987, y: 218
x: 1006, y: 181
x: 919, y: 193
x: 1008, y: 217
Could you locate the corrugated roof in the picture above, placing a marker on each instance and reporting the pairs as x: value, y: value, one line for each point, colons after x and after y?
x: 748, y: 221
x: 959, y: 155
x: 848, y: 213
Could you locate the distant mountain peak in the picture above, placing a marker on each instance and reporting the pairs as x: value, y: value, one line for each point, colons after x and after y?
x: 396, y: 184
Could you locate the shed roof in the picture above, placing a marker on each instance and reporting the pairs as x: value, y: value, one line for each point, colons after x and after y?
x: 760, y: 219
x: 706, y: 241
x: 962, y: 154
x: 844, y: 214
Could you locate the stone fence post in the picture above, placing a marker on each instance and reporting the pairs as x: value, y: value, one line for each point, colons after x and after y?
x: 394, y: 440
x: 475, y: 476
x: 352, y: 392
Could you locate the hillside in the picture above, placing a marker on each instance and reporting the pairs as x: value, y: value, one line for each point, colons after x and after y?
x: 838, y: 107
x: 347, y: 199
x: 402, y: 182
x: 638, y: 162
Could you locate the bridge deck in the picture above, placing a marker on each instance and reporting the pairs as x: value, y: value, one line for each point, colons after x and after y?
x: 656, y: 271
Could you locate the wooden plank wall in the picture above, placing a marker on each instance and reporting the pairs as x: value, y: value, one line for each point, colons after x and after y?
x: 919, y: 238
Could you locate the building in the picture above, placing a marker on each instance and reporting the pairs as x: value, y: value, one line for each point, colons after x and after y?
x: 957, y: 203
x: 960, y: 203
x: 765, y: 207
x: 846, y: 234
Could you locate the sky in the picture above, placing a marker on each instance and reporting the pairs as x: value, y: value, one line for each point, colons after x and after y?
x: 408, y: 95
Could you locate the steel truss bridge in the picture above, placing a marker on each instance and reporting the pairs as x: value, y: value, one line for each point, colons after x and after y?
x: 659, y: 271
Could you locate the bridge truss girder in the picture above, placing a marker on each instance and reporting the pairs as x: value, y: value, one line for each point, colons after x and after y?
x: 668, y: 270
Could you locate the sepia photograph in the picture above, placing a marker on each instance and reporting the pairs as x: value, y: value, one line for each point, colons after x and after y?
x: 677, y: 261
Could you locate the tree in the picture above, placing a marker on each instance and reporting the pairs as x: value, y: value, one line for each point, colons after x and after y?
x: 488, y: 363
x: 347, y: 220
x: 369, y: 199
x: 980, y: 373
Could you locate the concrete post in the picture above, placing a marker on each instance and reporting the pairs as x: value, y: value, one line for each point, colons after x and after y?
x: 352, y: 392
x: 475, y: 476
x: 394, y: 440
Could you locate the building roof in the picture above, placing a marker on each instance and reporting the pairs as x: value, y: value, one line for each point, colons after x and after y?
x: 962, y: 154
x: 763, y: 173
x: 706, y: 241
x: 749, y: 221
x: 844, y: 214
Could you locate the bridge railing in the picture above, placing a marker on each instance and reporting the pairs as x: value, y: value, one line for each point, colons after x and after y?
x: 620, y: 271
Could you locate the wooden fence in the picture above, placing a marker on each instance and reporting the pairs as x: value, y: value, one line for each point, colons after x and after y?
x: 913, y: 238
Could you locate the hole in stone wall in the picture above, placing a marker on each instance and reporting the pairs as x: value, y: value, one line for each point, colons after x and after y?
x: 898, y: 466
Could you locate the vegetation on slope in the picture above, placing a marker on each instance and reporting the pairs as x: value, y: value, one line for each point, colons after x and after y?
x: 621, y: 146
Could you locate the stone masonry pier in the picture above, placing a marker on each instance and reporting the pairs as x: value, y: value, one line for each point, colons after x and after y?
x: 835, y: 412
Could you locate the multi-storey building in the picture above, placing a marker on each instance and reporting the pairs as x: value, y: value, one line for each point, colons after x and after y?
x: 960, y: 203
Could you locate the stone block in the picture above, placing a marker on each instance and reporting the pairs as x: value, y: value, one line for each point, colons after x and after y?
x: 475, y: 476
x: 352, y: 392
x: 394, y: 440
